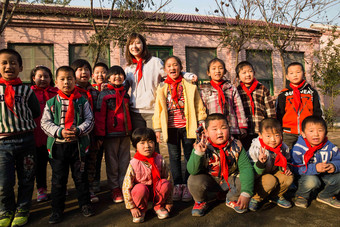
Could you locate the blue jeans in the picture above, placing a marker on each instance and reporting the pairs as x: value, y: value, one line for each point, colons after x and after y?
x: 309, y: 183
x: 17, y: 153
x: 178, y: 137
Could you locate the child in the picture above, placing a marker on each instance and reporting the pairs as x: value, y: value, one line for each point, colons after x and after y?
x: 178, y: 108
x: 220, y: 96
x: 296, y: 102
x: 19, y: 106
x: 318, y: 162
x: 256, y: 99
x: 67, y: 120
x: 147, y: 176
x: 219, y: 166
x: 113, y: 122
x: 43, y: 87
x: 99, y: 75
x: 269, y: 157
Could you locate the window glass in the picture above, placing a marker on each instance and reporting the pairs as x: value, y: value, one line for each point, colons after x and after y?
x: 197, y: 60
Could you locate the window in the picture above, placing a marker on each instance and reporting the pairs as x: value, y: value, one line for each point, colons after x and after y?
x: 161, y: 52
x: 33, y: 55
x: 262, y: 63
x: 197, y: 61
x: 80, y: 51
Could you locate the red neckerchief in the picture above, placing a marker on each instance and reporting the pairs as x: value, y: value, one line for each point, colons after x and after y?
x: 221, y: 98
x: 88, y: 94
x: 139, y: 68
x: 280, y: 160
x: 156, y: 176
x: 43, y: 90
x: 223, y: 160
x: 173, y: 86
x: 97, y: 86
x: 69, y: 117
x: 10, y: 93
x: 119, y: 95
x: 310, y: 153
x: 249, y: 91
x: 297, y: 95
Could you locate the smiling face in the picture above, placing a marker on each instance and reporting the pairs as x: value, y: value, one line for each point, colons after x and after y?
x: 315, y: 133
x: 99, y: 74
x: 216, y: 71
x: 218, y: 131
x: 146, y: 147
x: 42, y: 79
x: 116, y: 79
x: 65, y: 81
x: 246, y: 75
x: 136, y: 48
x: 271, y: 137
x: 83, y: 75
x: 295, y: 74
x: 172, y: 68
x: 9, y: 66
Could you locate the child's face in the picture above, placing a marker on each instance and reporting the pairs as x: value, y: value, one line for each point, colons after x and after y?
x: 295, y: 74
x: 216, y: 71
x: 136, y: 48
x: 42, y: 79
x: 218, y: 131
x: 246, y: 75
x: 146, y: 147
x: 65, y: 82
x: 9, y: 66
x: 116, y: 79
x: 172, y: 68
x: 271, y: 137
x: 314, y: 133
x: 99, y: 74
x: 83, y: 74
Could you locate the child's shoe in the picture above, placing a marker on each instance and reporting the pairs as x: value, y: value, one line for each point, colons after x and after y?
x: 253, y: 205
x: 282, y: 202
x: 55, y: 218
x: 162, y: 213
x: 6, y: 218
x: 94, y: 198
x: 87, y: 210
x: 199, y: 209
x: 301, y: 202
x: 186, y: 196
x: 42, y: 195
x: 117, y: 196
x: 331, y: 201
x: 233, y: 205
x: 177, y: 195
x: 139, y: 219
x: 20, y: 217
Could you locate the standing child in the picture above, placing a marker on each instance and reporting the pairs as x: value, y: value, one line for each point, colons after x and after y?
x: 113, y: 123
x: 318, y: 162
x: 220, y: 96
x: 43, y: 87
x: 99, y: 75
x: 147, y: 177
x: 222, y: 165
x: 296, y: 102
x: 269, y: 157
x: 257, y: 102
x: 178, y: 108
x: 67, y: 121
x: 19, y: 106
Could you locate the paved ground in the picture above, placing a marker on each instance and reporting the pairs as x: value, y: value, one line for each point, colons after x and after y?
x: 109, y: 214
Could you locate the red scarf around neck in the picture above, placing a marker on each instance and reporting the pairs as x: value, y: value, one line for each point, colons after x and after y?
x: 97, y: 86
x: 44, y: 91
x: 88, y: 94
x: 139, y: 68
x: 280, y: 160
x: 173, y: 86
x: 310, y: 153
x: 297, y: 95
x: 69, y: 117
x: 120, y: 92
x: 221, y: 98
x: 10, y: 93
x: 249, y: 91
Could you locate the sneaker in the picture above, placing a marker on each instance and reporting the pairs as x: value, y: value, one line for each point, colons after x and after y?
x: 177, y: 195
x: 20, y: 217
x: 301, y: 202
x: 42, y: 195
x: 233, y: 205
x: 331, y: 201
x: 282, y: 202
x: 117, y: 196
x: 94, y: 198
x: 55, y: 218
x: 253, y: 205
x: 162, y: 213
x: 139, y: 219
x: 186, y: 196
x: 6, y: 218
x: 87, y: 210
x: 199, y: 209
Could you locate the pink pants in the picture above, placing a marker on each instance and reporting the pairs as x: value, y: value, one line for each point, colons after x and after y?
x: 141, y: 194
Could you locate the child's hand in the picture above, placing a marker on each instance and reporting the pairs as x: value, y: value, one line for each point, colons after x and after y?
x: 135, y: 212
x: 243, y: 202
x: 330, y: 168
x: 158, y: 137
x: 321, y: 167
x: 168, y: 207
x: 288, y: 172
x: 243, y: 132
x: 194, y: 78
x: 262, y: 156
x: 201, y: 146
x: 69, y: 134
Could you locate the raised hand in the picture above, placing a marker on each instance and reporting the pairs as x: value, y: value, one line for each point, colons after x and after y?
x: 262, y: 156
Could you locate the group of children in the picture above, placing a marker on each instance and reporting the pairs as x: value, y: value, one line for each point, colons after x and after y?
x: 234, y: 139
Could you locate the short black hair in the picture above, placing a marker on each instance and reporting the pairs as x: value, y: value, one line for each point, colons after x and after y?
x: 116, y: 69
x: 176, y: 58
x: 294, y: 64
x: 44, y: 68
x: 13, y: 52
x: 241, y: 65
x: 65, y: 68
x: 142, y: 134
x: 81, y: 63
x: 270, y: 123
x: 215, y: 116
x: 314, y: 120
x: 217, y: 60
x: 101, y: 64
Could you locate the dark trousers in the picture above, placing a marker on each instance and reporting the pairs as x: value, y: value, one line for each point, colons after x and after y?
x: 290, y: 139
x: 42, y: 160
x: 66, y: 155
x: 99, y: 159
x: 247, y: 140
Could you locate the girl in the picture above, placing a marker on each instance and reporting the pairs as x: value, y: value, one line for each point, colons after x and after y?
x: 43, y: 87
x: 178, y: 108
x: 147, y: 176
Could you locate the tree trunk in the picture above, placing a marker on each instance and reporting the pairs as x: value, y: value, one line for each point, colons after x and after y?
x: 283, y: 68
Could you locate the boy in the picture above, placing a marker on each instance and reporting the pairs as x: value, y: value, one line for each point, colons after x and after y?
x: 19, y: 106
x: 99, y: 75
x: 67, y: 120
x: 269, y: 157
x: 216, y: 166
x: 296, y: 102
x: 318, y: 162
